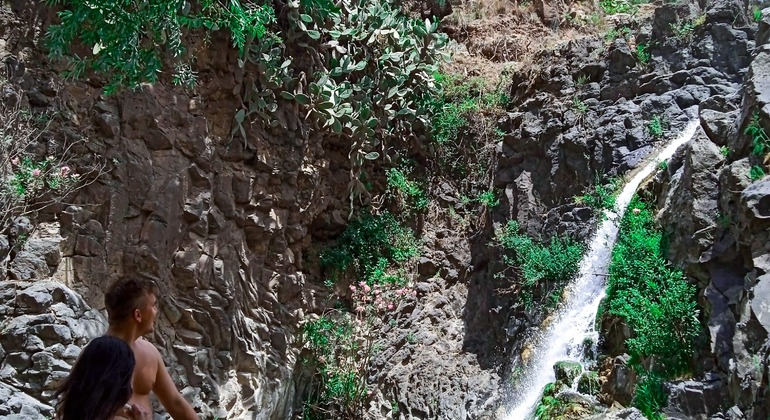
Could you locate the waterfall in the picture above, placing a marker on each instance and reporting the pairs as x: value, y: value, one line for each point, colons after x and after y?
x: 574, y: 320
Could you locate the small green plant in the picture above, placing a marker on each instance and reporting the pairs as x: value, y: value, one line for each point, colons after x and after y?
x: 650, y: 396
x: 411, y: 194
x: 643, y: 54
x: 488, y: 199
x: 725, y: 151
x: 683, y: 29
x: 615, y: 33
x: 723, y: 220
x: 756, y: 14
x: 581, y: 80
x: 760, y: 142
x: 756, y: 173
x: 579, y: 106
x: 656, y: 126
x: 547, y: 267
x: 602, y: 196
x: 612, y: 7
x: 663, y: 165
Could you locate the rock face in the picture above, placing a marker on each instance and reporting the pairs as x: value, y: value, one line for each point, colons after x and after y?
x: 44, y: 327
x: 718, y: 225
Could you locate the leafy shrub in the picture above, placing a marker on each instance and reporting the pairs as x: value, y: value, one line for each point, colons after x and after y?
x: 663, y: 165
x: 760, y: 142
x: 30, y: 182
x: 368, y: 246
x: 756, y: 14
x: 725, y: 151
x: 756, y: 173
x: 653, y: 299
x: 615, y: 33
x: 643, y: 54
x: 488, y: 199
x: 602, y: 196
x: 650, y: 396
x: 545, y: 267
x: 335, y: 347
x: 579, y: 106
x: 130, y: 41
x: 655, y: 126
x: 612, y: 7
x: 411, y: 195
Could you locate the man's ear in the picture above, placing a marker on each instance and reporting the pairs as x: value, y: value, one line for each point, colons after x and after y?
x: 137, y: 315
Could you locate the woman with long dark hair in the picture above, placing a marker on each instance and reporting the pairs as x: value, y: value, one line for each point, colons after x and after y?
x: 99, y: 385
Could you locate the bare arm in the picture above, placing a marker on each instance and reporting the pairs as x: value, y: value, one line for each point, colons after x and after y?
x: 169, y: 396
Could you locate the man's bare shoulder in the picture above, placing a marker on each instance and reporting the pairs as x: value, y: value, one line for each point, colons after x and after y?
x: 146, y: 349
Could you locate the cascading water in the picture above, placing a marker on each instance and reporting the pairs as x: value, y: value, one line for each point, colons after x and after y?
x: 574, y: 321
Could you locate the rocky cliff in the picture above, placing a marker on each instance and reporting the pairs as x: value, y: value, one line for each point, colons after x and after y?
x: 230, y: 228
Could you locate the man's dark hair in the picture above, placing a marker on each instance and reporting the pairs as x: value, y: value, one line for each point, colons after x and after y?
x: 125, y: 295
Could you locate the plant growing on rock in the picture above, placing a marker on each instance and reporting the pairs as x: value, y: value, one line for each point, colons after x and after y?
x: 653, y: 299
x: 30, y: 182
x: 656, y: 126
x: 602, y: 196
x: 756, y: 173
x: 760, y: 142
x: 545, y: 268
x: 756, y: 14
x: 650, y: 396
x: 643, y: 54
x: 409, y: 193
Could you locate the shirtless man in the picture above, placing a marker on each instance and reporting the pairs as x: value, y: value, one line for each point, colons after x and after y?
x: 132, y: 306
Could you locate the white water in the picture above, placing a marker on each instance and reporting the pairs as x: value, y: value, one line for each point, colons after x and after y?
x: 574, y: 321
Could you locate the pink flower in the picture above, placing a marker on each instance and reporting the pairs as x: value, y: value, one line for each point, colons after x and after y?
x: 15, y: 161
x: 36, y: 172
x: 414, y: 293
x: 390, y: 306
x: 362, y: 284
x: 367, y: 289
x: 64, y: 171
x: 637, y: 211
x: 75, y: 176
x: 359, y: 308
x: 352, y: 288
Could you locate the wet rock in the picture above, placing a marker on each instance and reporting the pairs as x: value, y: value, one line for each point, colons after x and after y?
x: 588, y: 383
x: 567, y: 371
x: 621, y: 382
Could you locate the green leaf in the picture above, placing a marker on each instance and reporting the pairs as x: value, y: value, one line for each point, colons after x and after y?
x: 240, y: 115
x: 314, y: 34
x: 306, y: 18
x: 302, y: 98
x: 337, y: 126
x: 286, y: 95
x: 372, y: 155
x: 372, y: 122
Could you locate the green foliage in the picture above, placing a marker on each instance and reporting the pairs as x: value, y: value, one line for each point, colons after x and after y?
x: 129, y: 41
x: 579, y: 106
x: 334, y: 345
x: 756, y: 173
x: 683, y: 29
x: 663, y: 165
x: 551, y: 407
x: 546, y: 268
x: 367, y: 247
x: 488, y: 199
x: 760, y: 142
x: 656, y: 126
x: 725, y: 151
x: 581, y: 80
x: 643, y: 54
x: 612, y: 7
x: 650, y: 396
x: 615, y: 33
x: 411, y: 194
x: 653, y: 299
x: 756, y: 14
x: 602, y: 196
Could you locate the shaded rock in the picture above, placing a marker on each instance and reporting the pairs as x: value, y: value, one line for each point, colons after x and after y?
x: 589, y: 383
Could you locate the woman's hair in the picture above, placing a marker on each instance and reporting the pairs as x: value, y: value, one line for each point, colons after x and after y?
x: 99, y: 383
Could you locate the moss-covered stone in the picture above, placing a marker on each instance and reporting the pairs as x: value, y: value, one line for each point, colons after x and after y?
x: 566, y: 371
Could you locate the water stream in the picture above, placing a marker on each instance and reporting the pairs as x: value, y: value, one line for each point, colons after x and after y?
x: 573, y: 322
